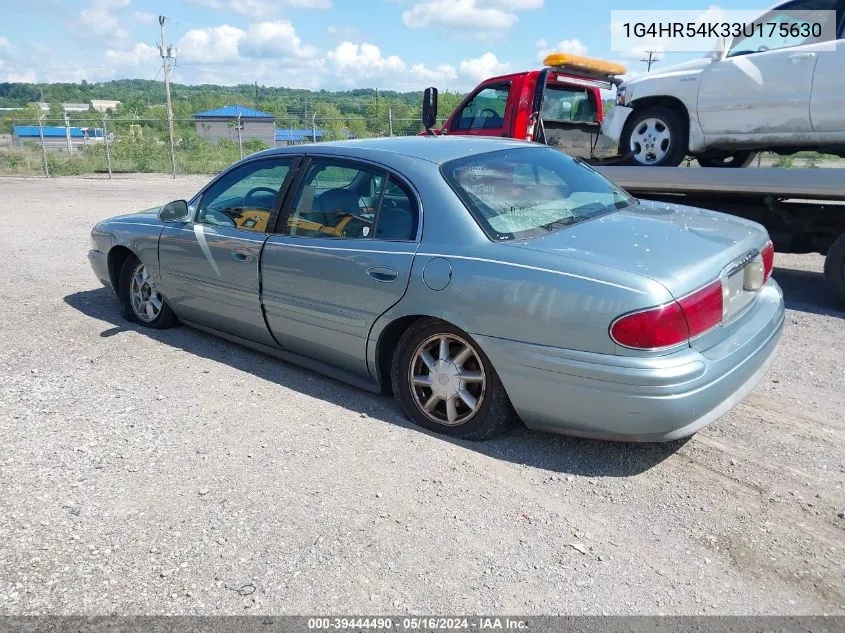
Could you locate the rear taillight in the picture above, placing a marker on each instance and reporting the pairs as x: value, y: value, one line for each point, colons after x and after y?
x: 768, y: 253
x: 672, y: 323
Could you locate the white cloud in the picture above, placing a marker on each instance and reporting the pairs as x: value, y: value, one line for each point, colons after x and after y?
x: 515, y: 5
x: 142, y: 17
x: 5, y: 46
x: 26, y: 77
x: 228, y: 44
x: 480, y: 68
x: 364, y: 65
x: 108, y: 5
x: 573, y: 46
x: 99, y: 24
x: 140, y: 55
x: 260, y: 9
x: 274, y: 39
x: 217, y: 45
x: 310, y: 4
x: 467, y: 14
x: 363, y: 60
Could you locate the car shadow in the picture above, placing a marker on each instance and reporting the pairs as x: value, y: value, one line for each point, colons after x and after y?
x: 805, y: 290
x: 557, y: 453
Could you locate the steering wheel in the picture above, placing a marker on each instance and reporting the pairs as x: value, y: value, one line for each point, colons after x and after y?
x: 492, y: 112
x: 255, y: 190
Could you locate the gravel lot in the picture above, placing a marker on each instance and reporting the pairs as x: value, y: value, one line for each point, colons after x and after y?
x: 172, y: 472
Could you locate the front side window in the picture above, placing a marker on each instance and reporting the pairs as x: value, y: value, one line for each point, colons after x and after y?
x: 486, y: 110
x: 568, y: 104
x: 244, y: 198
x: 778, y: 29
x: 352, y: 201
x: 524, y: 193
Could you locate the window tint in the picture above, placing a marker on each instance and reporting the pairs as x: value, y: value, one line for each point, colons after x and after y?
x: 567, y: 104
x: 397, y: 216
x: 244, y: 197
x: 486, y: 110
x: 336, y: 200
x: 771, y: 37
x: 523, y: 193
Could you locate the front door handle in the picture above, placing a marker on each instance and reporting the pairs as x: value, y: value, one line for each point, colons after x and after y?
x: 243, y: 255
x: 384, y: 274
x: 799, y: 56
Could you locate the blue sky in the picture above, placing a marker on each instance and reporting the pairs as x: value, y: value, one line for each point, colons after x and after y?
x: 316, y: 44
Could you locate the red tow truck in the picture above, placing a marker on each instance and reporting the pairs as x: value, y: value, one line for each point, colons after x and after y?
x: 561, y: 106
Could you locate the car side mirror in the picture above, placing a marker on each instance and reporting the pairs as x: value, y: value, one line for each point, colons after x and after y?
x: 176, y: 211
x: 429, y: 109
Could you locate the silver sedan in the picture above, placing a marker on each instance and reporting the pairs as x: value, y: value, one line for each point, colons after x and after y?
x: 479, y: 280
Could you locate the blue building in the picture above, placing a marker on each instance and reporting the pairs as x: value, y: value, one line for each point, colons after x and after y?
x: 55, y: 137
x: 294, y: 136
x: 223, y: 123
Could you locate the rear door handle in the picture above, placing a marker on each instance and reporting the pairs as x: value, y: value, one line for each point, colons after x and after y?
x: 799, y: 56
x: 384, y: 274
x: 243, y: 255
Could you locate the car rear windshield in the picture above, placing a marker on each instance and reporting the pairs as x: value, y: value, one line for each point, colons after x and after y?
x: 527, y: 192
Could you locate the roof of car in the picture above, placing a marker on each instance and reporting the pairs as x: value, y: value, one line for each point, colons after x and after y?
x: 435, y: 149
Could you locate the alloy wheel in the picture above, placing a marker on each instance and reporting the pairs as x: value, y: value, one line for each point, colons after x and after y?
x: 447, y: 379
x: 145, y: 300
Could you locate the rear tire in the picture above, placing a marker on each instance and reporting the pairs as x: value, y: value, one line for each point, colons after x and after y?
x: 654, y: 136
x: 444, y: 382
x: 726, y: 159
x: 140, y: 301
x: 834, y: 271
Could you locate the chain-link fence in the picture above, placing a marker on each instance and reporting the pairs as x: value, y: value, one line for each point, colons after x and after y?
x: 90, y: 143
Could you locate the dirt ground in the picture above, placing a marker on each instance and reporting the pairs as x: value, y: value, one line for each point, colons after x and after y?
x: 172, y: 472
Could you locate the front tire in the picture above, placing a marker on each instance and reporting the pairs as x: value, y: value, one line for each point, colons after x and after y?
x: 655, y: 136
x: 443, y: 382
x: 834, y: 270
x: 139, y: 298
x: 726, y: 159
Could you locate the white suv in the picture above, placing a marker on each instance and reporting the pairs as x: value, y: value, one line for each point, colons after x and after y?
x: 758, y: 93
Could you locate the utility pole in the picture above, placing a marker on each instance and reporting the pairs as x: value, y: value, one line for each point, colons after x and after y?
x: 67, y: 135
x: 652, y: 58
x: 240, y: 139
x: 167, y: 58
x: 106, y: 142
x: 256, y: 95
x: 43, y: 149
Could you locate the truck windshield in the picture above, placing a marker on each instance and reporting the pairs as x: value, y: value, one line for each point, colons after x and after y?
x: 527, y: 192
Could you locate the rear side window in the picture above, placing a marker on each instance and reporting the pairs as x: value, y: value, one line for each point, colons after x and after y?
x: 397, y: 215
x: 343, y: 200
x: 568, y: 104
x: 524, y: 193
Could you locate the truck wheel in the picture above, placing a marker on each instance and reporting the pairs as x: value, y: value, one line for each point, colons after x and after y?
x: 655, y: 136
x: 834, y: 271
x: 726, y: 159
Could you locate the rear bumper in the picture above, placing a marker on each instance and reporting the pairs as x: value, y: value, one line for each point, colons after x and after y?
x: 639, y: 399
x: 612, y: 126
x: 100, y: 266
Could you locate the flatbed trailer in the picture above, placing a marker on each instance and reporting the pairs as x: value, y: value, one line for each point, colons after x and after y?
x: 803, y: 209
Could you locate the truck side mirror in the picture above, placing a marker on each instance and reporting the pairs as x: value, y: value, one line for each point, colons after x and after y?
x: 429, y: 109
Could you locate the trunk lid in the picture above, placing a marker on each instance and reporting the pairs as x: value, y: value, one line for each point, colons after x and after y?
x: 681, y: 247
